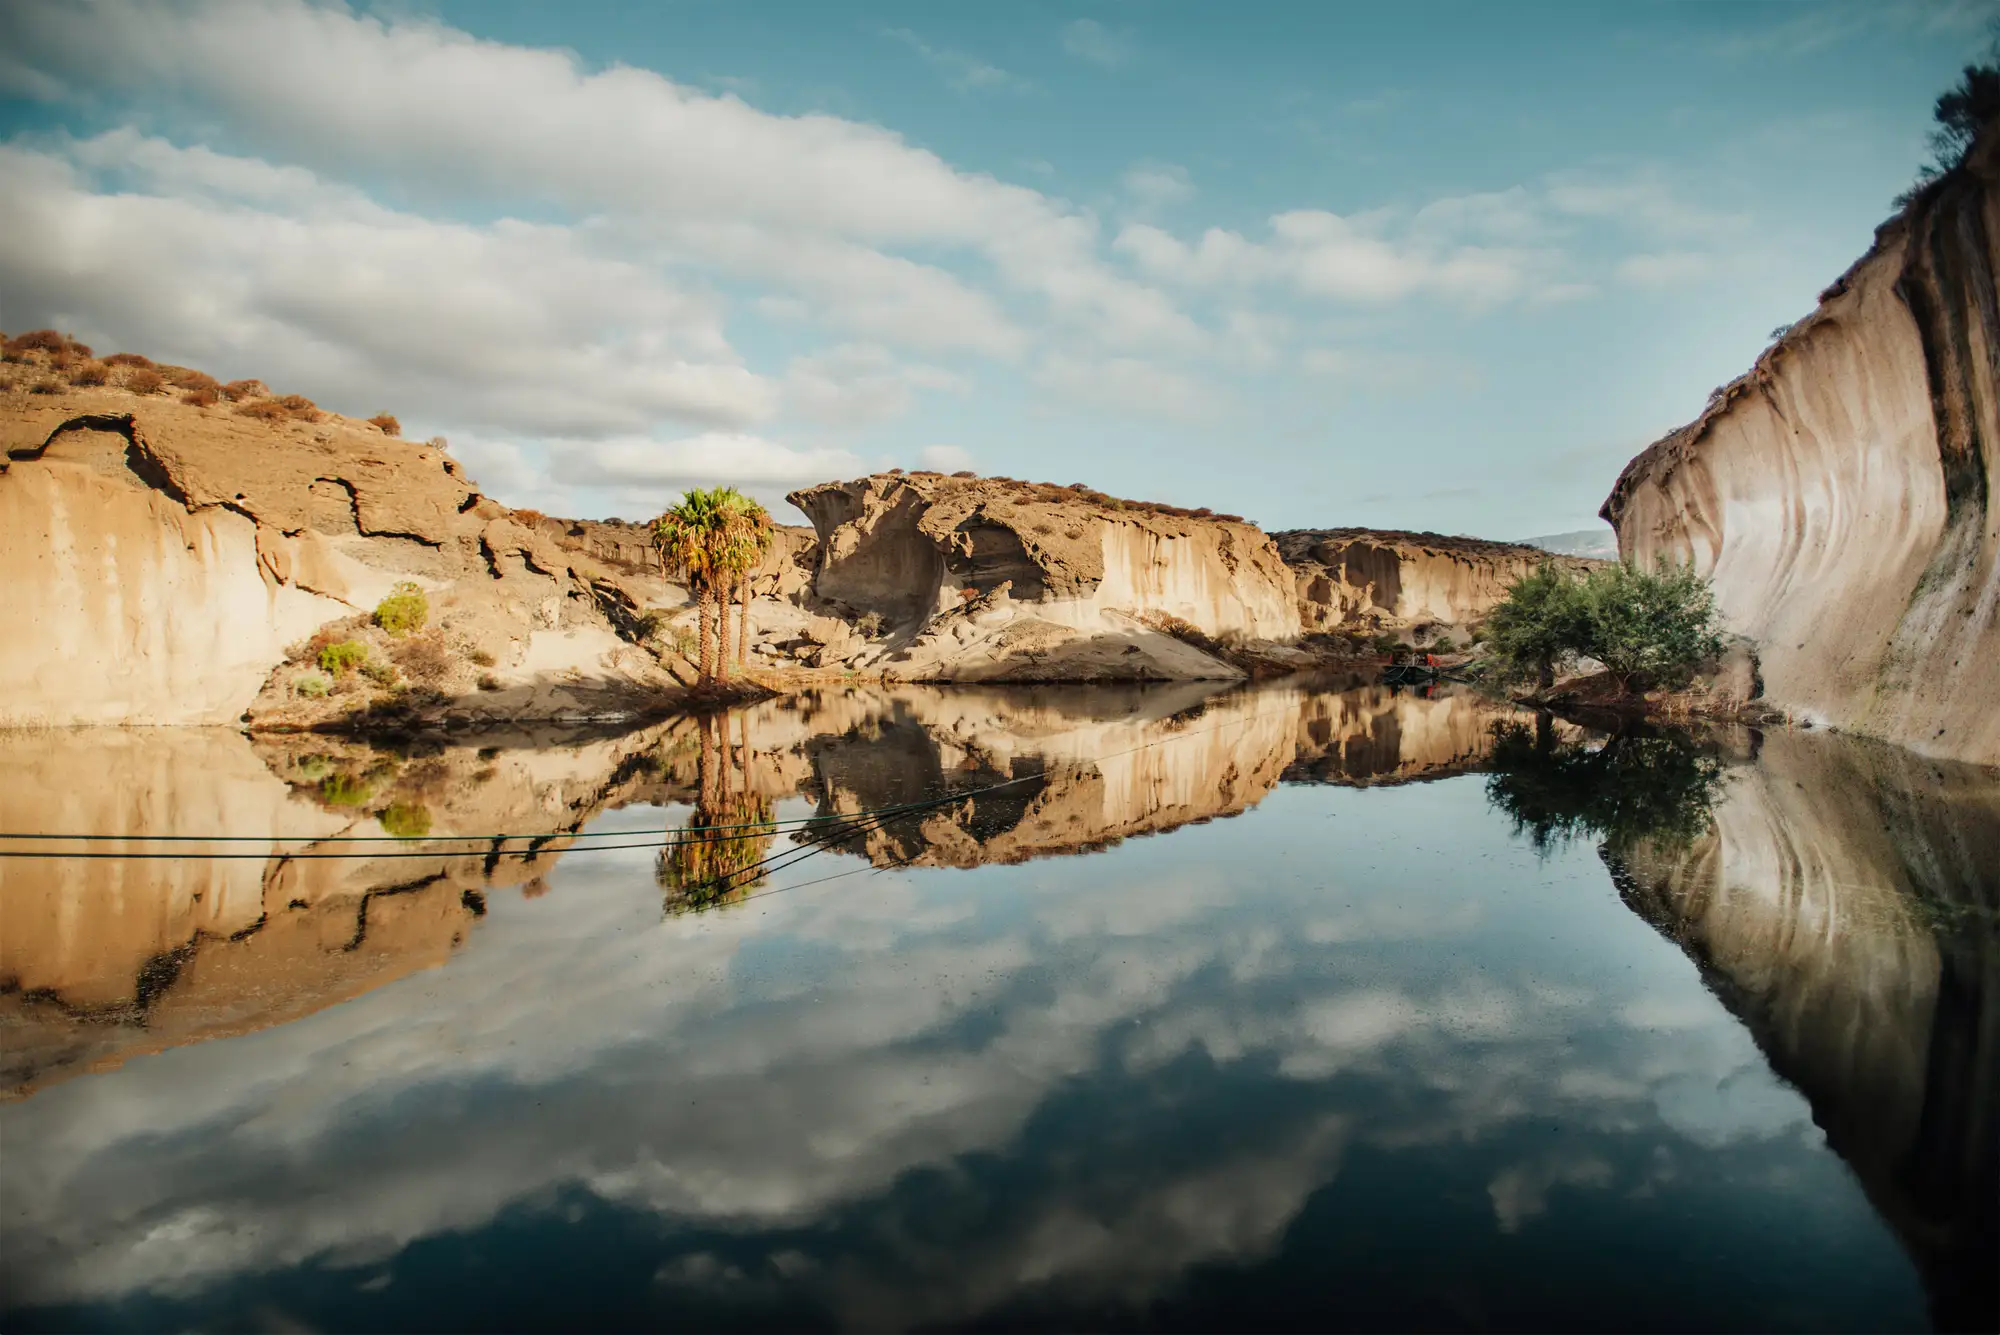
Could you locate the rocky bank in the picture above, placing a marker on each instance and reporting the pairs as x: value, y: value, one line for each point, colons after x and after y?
x: 1841, y: 493
x: 170, y: 561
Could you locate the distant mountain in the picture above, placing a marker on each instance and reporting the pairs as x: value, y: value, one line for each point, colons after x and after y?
x: 1598, y: 542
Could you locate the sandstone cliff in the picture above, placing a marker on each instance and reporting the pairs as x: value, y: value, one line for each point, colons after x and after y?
x: 162, y: 555
x: 1841, y: 492
x: 1359, y: 580
x: 982, y: 579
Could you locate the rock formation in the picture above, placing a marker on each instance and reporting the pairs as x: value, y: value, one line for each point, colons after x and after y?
x: 1841, y: 494
x: 985, y: 579
x: 161, y: 557
x: 1370, y: 581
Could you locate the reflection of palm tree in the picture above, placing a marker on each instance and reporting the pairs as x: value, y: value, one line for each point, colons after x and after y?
x: 719, y: 853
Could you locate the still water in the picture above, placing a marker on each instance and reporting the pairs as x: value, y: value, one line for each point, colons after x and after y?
x: 1126, y: 1009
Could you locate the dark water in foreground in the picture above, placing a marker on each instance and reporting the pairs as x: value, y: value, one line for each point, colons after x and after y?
x: 1367, y: 1034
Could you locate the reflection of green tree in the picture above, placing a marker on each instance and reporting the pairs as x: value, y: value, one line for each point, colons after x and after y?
x: 345, y: 790
x: 406, y: 820
x: 718, y: 854
x: 1632, y: 787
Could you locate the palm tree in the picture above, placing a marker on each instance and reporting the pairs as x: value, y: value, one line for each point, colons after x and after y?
x: 749, y: 538
x: 688, y: 537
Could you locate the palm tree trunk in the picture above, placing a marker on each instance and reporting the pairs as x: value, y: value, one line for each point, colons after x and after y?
x: 743, y: 620
x: 722, y: 631
x: 702, y: 600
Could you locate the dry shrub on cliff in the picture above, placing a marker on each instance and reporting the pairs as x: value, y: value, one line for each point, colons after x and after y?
x: 425, y: 659
x: 299, y: 406
x: 529, y: 518
x: 127, y: 359
x: 46, y: 385
x: 263, y: 410
x: 145, y: 380
x: 386, y: 423
x: 1184, y: 631
x: 89, y: 373
x: 965, y: 472
x: 42, y: 340
x: 182, y: 378
x: 239, y: 390
x: 206, y: 396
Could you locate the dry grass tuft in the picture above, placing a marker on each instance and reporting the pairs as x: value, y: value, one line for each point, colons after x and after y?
x: 145, y: 380
x: 299, y: 406
x: 239, y: 390
x: 127, y: 359
x: 46, y: 385
x: 263, y: 410
x: 89, y: 373
x: 386, y: 423
x: 202, y: 396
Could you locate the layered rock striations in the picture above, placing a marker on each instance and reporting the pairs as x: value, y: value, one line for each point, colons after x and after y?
x: 162, y: 557
x: 1358, y: 580
x: 1840, y: 494
x: 990, y: 579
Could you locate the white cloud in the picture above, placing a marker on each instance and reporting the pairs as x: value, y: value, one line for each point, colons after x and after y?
x: 945, y: 458
x: 809, y: 201
x: 245, y: 268
x: 1087, y: 39
x: 962, y: 72
x: 1157, y: 185
x: 855, y: 385
x: 1667, y: 269
x: 1130, y: 385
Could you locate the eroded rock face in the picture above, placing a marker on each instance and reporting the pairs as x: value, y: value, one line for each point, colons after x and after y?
x: 160, y: 558
x: 1841, y: 493
x: 1369, y: 580
x: 985, y: 579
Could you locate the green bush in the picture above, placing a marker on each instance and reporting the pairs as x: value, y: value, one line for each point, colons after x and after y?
x: 1386, y: 643
x: 406, y: 820
x: 341, y: 659
x: 345, y: 790
x: 870, y: 625
x: 382, y: 674
x: 404, y: 610
x: 312, y: 686
x: 1660, y: 626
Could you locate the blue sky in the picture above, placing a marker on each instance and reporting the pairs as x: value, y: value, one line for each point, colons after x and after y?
x: 1439, y: 266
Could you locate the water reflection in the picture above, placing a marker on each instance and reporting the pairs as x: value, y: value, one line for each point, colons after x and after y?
x: 1356, y: 1040
x: 1845, y: 903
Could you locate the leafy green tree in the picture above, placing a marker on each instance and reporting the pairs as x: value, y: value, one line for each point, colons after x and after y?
x: 1660, y: 625
x: 1541, y: 623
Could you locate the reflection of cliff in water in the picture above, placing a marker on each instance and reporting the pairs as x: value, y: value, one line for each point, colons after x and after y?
x: 1068, y: 770
x: 1844, y: 904
x: 105, y: 959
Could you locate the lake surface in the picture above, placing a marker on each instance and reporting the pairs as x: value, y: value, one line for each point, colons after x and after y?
x: 1042, y: 1008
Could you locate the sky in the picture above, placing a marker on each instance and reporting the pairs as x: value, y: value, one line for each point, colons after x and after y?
x: 1437, y: 267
